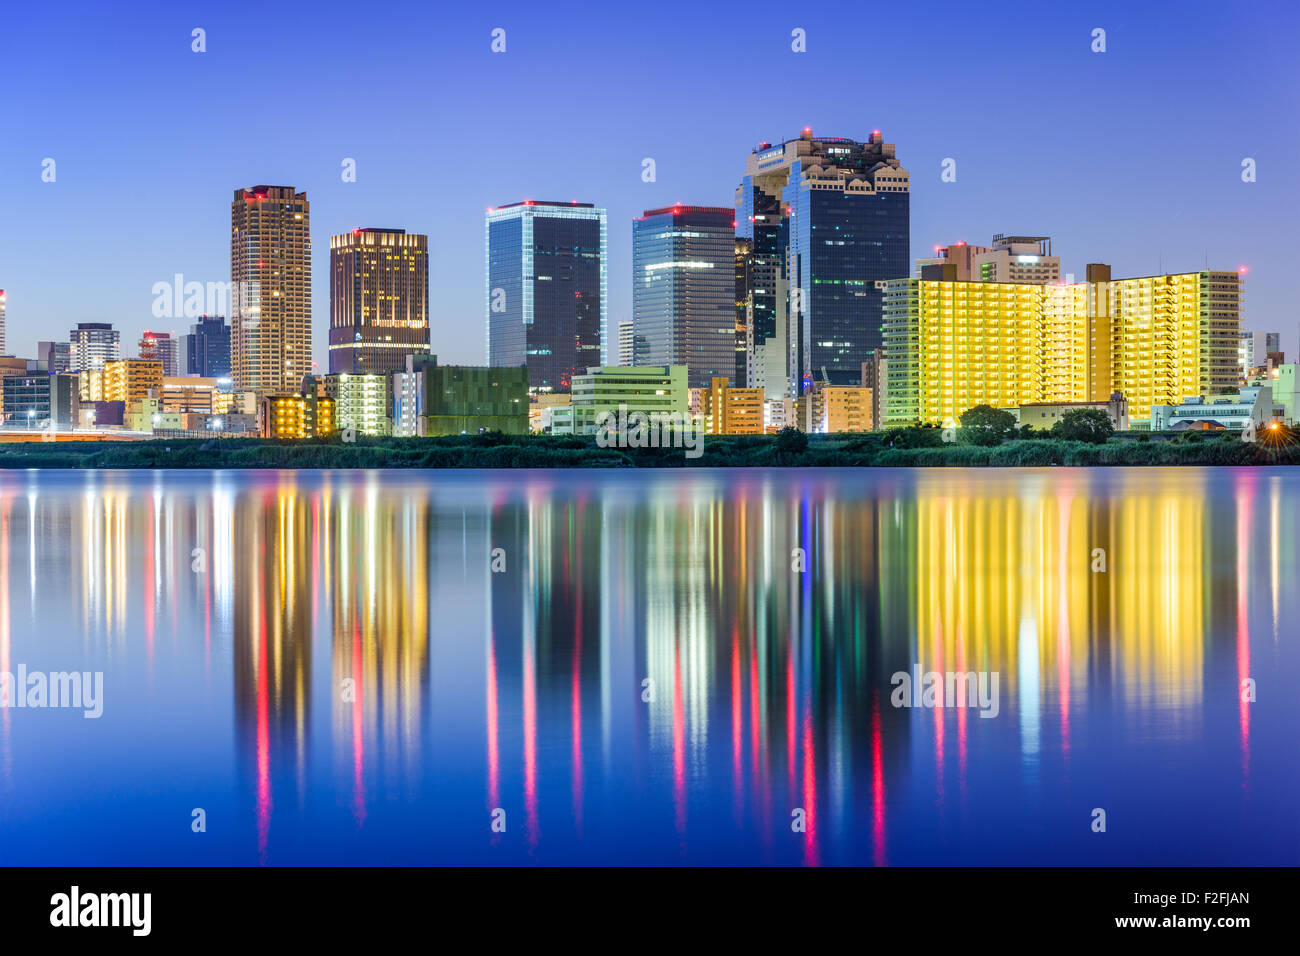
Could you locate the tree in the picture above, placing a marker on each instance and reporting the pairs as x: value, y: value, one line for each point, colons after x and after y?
x: 791, y: 441
x: 1084, y: 424
x: 986, y: 425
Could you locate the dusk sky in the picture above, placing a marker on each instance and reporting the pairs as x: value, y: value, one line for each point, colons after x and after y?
x: 1132, y: 156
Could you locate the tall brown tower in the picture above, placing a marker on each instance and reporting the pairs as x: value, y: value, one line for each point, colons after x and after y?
x: 270, y: 275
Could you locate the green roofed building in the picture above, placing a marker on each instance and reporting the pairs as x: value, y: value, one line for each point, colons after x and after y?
x: 648, y: 389
x: 432, y: 399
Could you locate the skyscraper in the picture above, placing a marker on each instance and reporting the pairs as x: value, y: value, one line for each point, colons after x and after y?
x: 161, y: 347
x: 742, y: 263
x: 828, y: 218
x: 546, y: 290
x: 684, y: 289
x: 91, y: 344
x: 379, y: 300
x: 205, y: 350
x: 270, y: 275
x: 2, y: 322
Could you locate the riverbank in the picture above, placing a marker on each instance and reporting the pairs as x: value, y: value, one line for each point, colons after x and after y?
x: 914, y: 447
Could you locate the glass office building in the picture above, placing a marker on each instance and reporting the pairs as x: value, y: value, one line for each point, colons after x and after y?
x: 684, y: 290
x: 837, y: 212
x: 546, y: 290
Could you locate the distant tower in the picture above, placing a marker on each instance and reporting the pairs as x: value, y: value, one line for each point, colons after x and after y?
x: 379, y: 300
x: 2, y: 323
x: 546, y: 295
x: 205, y: 350
x: 161, y: 347
x: 270, y: 274
x: 91, y: 344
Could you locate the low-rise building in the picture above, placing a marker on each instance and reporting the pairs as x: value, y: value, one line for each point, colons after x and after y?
x: 41, y: 400
x: 537, y: 419
x: 183, y: 394
x: 831, y: 409
x: 305, y: 414
x: 1252, y: 407
x: 726, y: 410
x: 1041, y: 416
x: 651, y: 389
x: 362, y: 402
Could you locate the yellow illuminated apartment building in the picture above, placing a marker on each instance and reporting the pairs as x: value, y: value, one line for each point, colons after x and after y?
x: 129, y: 380
x: 728, y: 411
x: 954, y: 345
x: 90, y: 382
x: 839, y: 408
x: 296, y: 416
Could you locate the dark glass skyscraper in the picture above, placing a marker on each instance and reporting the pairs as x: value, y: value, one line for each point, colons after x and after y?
x: 207, y: 348
x: 837, y: 213
x: 684, y: 290
x: 546, y: 290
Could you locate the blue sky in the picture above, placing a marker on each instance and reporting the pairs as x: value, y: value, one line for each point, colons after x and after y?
x: 1131, y: 157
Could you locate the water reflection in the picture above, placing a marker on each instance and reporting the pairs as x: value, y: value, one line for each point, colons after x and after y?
x: 680, y: 667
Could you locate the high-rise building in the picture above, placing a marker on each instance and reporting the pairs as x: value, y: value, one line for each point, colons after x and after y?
x: 684, y: 289
x: 160, y: 347
x: 379, y: 300
x: 57, y: 356
x: 93, y: 344
x: 130, y: 380
x: 270, y: 275
x: 626, y: 343
x: 205, y: 349
x: 743, y: 258
x: 950, y: 346
x: 546, y: 290
x: 1010, y: 259
x: 3, y: 320
x: 827, y: 218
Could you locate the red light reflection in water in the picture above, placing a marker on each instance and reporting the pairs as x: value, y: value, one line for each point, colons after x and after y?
x: 530, y: 741
x: 737, y: 729
x: 811, y: 853
x: 263, y: 803
x: 877, y: 787
x: 1245, y: 501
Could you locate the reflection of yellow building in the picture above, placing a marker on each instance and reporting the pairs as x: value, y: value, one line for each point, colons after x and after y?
x: 1049, y: 589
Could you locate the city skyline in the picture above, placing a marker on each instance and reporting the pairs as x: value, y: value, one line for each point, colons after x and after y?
x: 1022, y: 174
